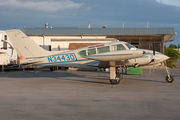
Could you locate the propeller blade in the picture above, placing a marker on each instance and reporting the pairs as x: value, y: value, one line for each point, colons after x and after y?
x: 153, y: 55
x: 153, y: 64
x: 153, y: 48
x: 152, y: 60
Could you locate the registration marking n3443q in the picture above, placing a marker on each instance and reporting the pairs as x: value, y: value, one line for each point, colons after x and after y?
x: 62, y: 58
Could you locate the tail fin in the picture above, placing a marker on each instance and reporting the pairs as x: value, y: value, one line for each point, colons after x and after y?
x: 25, y: 47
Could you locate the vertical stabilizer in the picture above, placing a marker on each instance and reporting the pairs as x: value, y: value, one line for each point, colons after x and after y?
x: 25, y: 47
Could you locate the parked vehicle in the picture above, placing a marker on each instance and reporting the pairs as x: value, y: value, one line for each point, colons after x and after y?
x: 8, y: 55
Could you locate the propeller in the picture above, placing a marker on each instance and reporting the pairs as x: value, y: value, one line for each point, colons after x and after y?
x: 152, y: 58
x: 153, y: 55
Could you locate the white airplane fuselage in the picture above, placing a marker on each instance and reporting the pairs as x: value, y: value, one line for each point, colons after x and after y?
x: 87, y: 55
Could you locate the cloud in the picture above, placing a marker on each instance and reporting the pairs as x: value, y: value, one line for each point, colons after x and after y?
x: 170, y: 2
x: 176, y: 25
x: 43, y: 6
x: 89, y: 8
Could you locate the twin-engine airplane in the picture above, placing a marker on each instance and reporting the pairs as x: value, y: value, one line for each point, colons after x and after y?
x: 111, y: 55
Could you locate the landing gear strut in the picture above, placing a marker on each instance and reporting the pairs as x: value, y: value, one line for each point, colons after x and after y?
x: 169, y: 78
x: 53, y: 68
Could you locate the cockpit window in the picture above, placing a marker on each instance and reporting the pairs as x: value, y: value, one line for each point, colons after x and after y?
x: 91, y: 51
x: 131, y: 47
x: 118, y: 47
x: 82, y: 53
x: 103, y: 49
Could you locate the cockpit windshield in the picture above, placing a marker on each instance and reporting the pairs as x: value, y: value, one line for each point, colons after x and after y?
x: 131, y: 47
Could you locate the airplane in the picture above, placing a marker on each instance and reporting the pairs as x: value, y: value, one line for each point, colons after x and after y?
x: 114, y: 54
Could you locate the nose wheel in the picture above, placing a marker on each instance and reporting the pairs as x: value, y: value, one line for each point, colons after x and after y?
x: 169, y: 78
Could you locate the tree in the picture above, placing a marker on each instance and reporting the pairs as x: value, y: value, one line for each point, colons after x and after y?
x: 172, y: 46
x: 173, y: 54
x: 178, y: 46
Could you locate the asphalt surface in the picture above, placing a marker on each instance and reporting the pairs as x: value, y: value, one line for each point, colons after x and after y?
x: 178, y: 64
x: 88, y: 95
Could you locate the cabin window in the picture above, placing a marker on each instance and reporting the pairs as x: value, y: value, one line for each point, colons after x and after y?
x: 103, y: 49
x: 118, y: 47
x: 131, y: 47
x: 82, y: 53
x: 92, y: 51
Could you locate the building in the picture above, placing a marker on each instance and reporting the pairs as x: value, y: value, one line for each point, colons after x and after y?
x: 59, y: 38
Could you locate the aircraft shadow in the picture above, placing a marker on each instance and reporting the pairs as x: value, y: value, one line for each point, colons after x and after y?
x: 84, y: 76
x: 60, y: 75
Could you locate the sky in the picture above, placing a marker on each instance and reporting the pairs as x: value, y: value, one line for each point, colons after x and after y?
x: 79, y: 13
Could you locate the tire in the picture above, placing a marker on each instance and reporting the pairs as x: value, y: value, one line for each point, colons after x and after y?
x: 169, y: 79
x: 116, y: 80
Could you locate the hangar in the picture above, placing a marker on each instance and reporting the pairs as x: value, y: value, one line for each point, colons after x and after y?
x: 69, y: 38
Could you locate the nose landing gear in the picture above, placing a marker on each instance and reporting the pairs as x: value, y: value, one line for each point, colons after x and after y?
x: 169, y: 78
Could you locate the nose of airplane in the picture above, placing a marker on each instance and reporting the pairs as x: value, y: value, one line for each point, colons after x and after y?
x: 164, y: 57
x: 161, y: 58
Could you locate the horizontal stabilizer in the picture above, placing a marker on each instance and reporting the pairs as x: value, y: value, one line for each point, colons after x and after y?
x: 94, y: 64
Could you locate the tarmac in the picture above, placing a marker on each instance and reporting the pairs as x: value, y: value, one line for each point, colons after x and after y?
x: 88, y: 95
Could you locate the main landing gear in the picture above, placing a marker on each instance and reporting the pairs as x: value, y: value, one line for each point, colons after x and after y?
x: 115, y: 76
